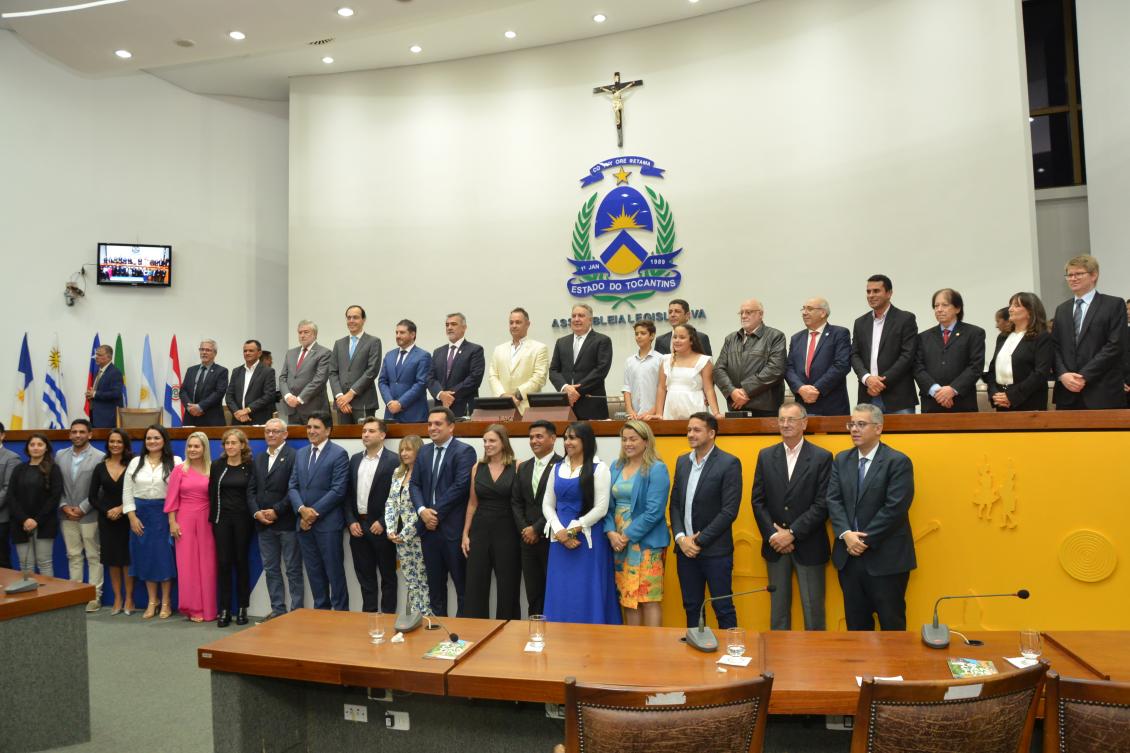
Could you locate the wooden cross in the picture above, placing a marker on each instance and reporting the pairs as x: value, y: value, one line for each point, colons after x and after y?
x: 616, y: 89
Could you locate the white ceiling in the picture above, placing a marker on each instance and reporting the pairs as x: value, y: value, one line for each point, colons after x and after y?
x: 279, y: 33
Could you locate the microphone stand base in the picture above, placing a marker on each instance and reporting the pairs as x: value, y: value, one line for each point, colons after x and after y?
x: 406, y: 623
x: 936, y: 636
x: 702, y: 639
x: 22, y: 586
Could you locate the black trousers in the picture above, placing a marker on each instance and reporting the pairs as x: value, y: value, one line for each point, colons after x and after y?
x: 374, y: 556
x: 535, y: 562
x: 867, y: 595
x: 6, y: 545
x: 495, y: 547
x: 233, y: 538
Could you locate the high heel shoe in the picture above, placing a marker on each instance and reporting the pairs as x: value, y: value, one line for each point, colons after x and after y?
x: 224, y: 619
x: 114, y: 612
x: 129, y: 610
x: 166, y: 612
x: 150, y: 611
x: 241, y: 616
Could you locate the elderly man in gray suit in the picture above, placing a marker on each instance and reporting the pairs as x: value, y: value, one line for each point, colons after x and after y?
x: 8, y: 461
x: 354, y: 365
x: 305, y: 371
x: 79, y: 519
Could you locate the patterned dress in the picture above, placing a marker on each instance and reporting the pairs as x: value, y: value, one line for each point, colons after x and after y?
x: 401, y: 518
x: 639, y: 572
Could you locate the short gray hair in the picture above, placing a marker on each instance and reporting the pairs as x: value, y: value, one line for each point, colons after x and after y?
x: 211, y: 342
x: 462, y: 319
x: 584, y: 306
x: 278, y: 421
x: 823, y: 304
x: 799, y: 406
x: 873, y: 410
x: 308, y: 323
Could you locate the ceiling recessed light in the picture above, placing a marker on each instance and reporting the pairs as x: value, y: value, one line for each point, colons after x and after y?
x: 345, y: 12
x: 416, y: 49
x: 59, y: 9
x: 237, y: 35
x: 692, y: 2
x: 123, y: 54
x: 600, y: 18
x: 510, y: 34
x: 327, y: 60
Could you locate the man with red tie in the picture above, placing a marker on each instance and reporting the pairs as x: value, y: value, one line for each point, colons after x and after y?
x: 819, y: 362
x: 305, y: 371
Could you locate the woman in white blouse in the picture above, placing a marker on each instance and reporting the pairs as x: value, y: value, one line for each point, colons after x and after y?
x: 143, y: 500
x: 1022, y: 363
x: 580, y: 585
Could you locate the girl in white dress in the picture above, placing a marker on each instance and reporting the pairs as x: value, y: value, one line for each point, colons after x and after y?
x: 686, y: 379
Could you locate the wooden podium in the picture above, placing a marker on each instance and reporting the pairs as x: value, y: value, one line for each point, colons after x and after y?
x: 549, y: 406
x: 495, y: 410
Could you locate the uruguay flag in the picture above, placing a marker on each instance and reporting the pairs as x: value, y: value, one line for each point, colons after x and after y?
x: 147, y: 396
x: 174, y: 411
x: 22, y: 405
x: 54, y: 401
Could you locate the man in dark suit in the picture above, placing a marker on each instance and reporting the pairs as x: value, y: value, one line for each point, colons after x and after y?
x: 302, y: 381
x: 203, y: 388
x: 950, y: 358
x: 440, y: 488
x: 580, y: 363
x: 404, y: 378
x: 317, y: 490
x: 354, y: 365
x: 8, y: 462
x: 819, y: 362
x: 275, y: 520
x: 106, y: 394
x: 789, y: 504
x: 869, y: 496
x: 705, y: 496
x: 679, y: 312
x: 526, y: 498
x: 457, y: 368
x: 370, y: 477
x: 883, y: 346
x: 251, y: 389
x: 1089, y: 336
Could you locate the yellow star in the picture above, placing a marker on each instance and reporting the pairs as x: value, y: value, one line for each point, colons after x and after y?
x: 621, y: 177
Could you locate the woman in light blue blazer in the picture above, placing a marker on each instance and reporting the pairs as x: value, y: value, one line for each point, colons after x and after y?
x: 637, y: 524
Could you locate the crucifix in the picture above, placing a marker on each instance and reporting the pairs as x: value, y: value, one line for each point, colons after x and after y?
x: 616, y: 90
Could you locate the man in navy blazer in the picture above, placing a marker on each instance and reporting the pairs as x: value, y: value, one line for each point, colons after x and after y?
x: 457, y: 368
x: 370, y: 478
x: 440, y: 488
x: 318, y: 486
x: 403, y: 382
x: 950, y: 358
x: 705, y: 497
x: 106, y: 394
x: 884, y: 342
x: 819, y: 362
x: 869, y: 497
x: 274, y: 518
x: 203, y: 388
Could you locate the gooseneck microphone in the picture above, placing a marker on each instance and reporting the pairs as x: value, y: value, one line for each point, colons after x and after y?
x: 434, y: 624
x: 937, y: 634
x: 27, y: 566
x: 702, y: 637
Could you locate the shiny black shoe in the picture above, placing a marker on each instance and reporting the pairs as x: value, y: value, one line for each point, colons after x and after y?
x: 224, y: 619
x: 241, y: 616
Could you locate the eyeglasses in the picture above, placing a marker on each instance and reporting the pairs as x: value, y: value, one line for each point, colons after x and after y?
x: 1075, y: 275
x: 274, y: 431
x: 810, y: 309
x: 789, y: 420
x: 861, y: 425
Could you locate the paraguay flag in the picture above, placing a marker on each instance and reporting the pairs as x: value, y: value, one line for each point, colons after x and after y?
x: 22, y: 405
x: 174, y: 411
x: 92, y: 372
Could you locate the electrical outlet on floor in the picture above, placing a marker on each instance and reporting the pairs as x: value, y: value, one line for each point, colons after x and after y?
x: 397, y: 720
x: 555, y: 710
x: 355, y: 713
x: 838, y: 722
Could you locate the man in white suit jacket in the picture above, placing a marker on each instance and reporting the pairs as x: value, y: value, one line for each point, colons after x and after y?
x: 520, y: 366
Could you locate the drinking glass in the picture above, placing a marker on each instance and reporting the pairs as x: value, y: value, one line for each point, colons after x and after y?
x: 537, y: 629
x: 377, y: 627
x: 735, y: 641
x: 1031, y: 645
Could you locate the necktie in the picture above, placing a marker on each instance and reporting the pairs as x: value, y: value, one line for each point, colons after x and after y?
x: 450, y: 360
x: 313, y: 457
x: 400, y: 358
x: 435, y: 471
x: 201, y: 375
x: 811, y: 352
x: 98, y: 378
x: 535, y: 477
x: 577, y: 341
x: 859, y: 489
x: 301, y: 358
x: 1078, y: 316
x: 352, y: 346
x: 945, y: 337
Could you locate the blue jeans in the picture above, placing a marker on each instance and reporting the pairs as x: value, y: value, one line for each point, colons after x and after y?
x: 877, y: 401
x: 276, y: 544
x: 695, y: 574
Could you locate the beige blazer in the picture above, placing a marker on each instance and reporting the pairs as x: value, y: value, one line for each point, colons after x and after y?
x: 528, y: 373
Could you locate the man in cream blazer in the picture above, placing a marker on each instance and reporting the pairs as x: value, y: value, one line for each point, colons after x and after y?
x: 520, y: 366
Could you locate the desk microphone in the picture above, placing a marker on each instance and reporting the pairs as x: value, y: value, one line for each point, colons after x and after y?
x: 434, y: 624
x: 409, y: 621
x: 937, y: 634
x: 26, y: 583
x: 702, y: 637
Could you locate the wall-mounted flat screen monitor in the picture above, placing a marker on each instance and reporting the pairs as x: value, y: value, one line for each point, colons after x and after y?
x: 135, y: 264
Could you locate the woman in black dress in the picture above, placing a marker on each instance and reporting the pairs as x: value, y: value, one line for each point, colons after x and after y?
x: 490, y: 536
x: 1022, y: 362
x: 232, y: 482
x: 113, y: 524
x: 34, y: 491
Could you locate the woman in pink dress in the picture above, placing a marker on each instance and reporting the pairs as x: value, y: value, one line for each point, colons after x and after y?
x: 187, y: 506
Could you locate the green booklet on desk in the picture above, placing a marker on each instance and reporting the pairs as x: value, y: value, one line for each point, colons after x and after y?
x: 448, y: 650
x: 962, y: 668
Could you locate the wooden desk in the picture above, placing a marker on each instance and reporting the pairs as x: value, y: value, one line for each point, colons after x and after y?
x: 1104, y: 652
x: 52, y: 593
x: 607, y: 654
x: 315, y: 645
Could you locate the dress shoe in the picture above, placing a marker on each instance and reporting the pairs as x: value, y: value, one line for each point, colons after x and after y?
x: 150, y: 611
x: 241, y: 616
x: 93, y: 606
x: 166, y: 612
x: 115, y: 611
x: 268, y: 618
x: 224, y: 619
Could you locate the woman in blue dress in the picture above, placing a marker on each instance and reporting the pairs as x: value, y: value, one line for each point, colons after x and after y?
x: 580, y: 586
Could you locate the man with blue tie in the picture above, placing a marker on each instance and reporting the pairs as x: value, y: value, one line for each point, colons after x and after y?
x: 440, y: 488
x: 354, y: 365
x: 403, y: 382
x: 819, y: 362
x: 318, y: 485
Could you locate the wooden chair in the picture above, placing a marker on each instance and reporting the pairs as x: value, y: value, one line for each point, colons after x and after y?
x: 1086, y: 716
x: 992, y: 714
x: 138, y: 418
x: 717, y: 719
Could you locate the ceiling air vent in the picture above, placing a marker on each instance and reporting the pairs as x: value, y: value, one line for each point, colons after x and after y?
x: 320, y: 42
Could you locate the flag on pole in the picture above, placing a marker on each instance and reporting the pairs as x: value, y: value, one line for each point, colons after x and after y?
x: 174, y: 411
x: 147, y: 395
x: 92, y: 373
x: 120, y: 365
x: 21, y: 408
x: 54, y: 401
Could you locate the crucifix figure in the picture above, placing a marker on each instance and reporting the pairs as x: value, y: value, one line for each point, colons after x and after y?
x: 616, y: 90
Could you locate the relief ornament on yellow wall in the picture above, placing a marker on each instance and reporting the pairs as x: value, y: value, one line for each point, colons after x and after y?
x: 988, y: 493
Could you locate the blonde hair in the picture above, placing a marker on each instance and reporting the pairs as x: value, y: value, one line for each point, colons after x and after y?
x: 1085, y: 262
x: 207, y: 458
x: 650, y: 456
x: 413, y: 442
x: 507, y: 451
x: 245, y: 448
